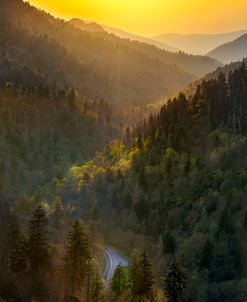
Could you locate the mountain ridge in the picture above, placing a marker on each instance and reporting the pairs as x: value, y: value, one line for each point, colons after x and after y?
x: 198, y: 43
x: 232, y: 51
x: 85, y: 60
x: 87, y: 26
x: 124, y: 34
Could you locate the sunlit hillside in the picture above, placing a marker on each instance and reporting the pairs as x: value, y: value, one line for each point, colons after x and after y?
x: 123, y: 167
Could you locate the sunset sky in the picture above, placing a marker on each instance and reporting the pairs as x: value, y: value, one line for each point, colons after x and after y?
x: 150, y: 17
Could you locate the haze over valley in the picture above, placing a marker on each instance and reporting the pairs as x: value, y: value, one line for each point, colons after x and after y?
x: 123, y: 151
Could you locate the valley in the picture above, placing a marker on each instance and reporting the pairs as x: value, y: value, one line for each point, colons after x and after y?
x: 123, y: 162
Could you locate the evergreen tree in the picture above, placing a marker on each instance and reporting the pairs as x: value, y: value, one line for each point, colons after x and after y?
x: 77, y: 258
x: 174, y: 283
x: 39, y: 254
x: 119, y: 281
x: 97, y: 291
x: 134, y: 276
x: 38, y: 244
x: 141, y: 278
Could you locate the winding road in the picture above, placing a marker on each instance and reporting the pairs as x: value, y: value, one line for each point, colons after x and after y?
x: 112, y: 261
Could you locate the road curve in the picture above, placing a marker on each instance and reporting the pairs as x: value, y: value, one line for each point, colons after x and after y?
x: 112, y: 261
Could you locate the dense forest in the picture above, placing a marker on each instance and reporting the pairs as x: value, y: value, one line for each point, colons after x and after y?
x: 176, y: 186
x: 84, y: 165
x: 41, y: 136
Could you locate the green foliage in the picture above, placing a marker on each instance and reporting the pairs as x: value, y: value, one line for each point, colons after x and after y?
x: 39, y: 252
x: 119, y: 281
x: 97, y: 291
x: 185, y: 188
x: 206, y: 255
x: 77, y: 258
x: 38, y: 244
x: 141, y: 278
x: 180, y: 182
x: 41, y: 138
x: 169, y: 244
x: 174, y: 283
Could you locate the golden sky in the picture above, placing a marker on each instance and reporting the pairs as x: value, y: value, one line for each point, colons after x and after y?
x: 150, y: 17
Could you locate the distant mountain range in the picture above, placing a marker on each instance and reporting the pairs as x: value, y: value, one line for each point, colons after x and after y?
x: 96, y: 64
x: 95, y: 27
x: 225, y: 47
x: 230, y: 52
x: 198, y: 65
x: 123, y: 34
x: 198, y: 43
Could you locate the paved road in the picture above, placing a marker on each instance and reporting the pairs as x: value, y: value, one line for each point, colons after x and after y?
x: 112, y: 261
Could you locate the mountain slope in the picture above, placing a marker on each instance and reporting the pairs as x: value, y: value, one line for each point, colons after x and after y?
x: 196, y: 43
x: 180, y: 181
x: 123, y: 34
x: 96, y: 64
x: 232, y: 51
x: 41, y: 135
x: 198, y: 65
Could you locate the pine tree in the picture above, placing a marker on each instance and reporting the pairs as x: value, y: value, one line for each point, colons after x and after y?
x: 148, y: 276
x: 39, y: 254
x: 119, y: 281
x: 134, y: 276
x: 77, y: 257
x: 174, y: 283
x: 97, y: 291
x: 141, y: 278
x: 38, y: 244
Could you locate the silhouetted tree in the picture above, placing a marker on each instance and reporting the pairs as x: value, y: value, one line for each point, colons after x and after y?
x: 174, y: 283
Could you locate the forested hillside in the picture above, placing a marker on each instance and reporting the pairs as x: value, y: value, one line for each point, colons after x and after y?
x: 97, y: 64
x: 42, y: 135
x: 82, y: 170
x: 178, y: 180
x: 232, y: 51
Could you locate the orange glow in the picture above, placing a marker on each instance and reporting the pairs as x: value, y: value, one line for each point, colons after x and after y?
x: 149, y: 17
